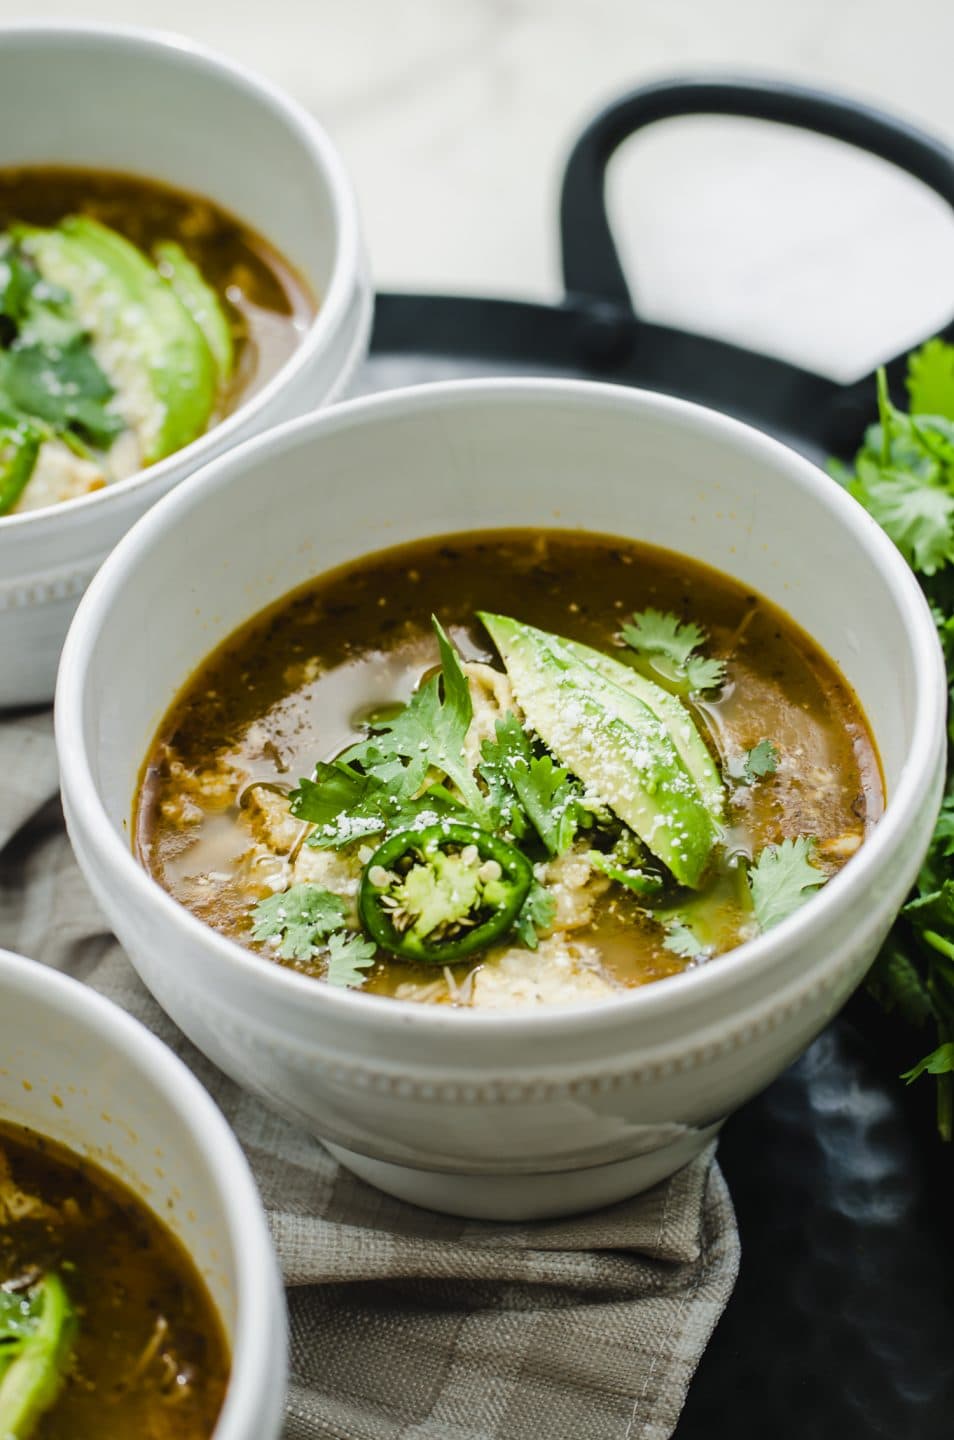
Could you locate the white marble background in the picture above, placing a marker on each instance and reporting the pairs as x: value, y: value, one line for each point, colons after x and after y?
x: 455, y: 117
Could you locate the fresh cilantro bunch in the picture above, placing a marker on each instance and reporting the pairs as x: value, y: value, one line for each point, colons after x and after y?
x: 904, y: 477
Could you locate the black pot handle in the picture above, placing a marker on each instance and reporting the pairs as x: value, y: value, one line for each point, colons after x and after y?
x: 591, y: 266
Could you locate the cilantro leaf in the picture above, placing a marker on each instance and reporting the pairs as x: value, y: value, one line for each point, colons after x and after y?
x: 536, y: 913
x: 939, y: 1062
x: 550, y: 796
x: 47, y: 368
x: 342, y: 804
x: 61, y: 384
x: 428, y: 732
x: 904, y: 475
x: 914, y: 510
x: 527, y: 787
x: 930, y: 379
x: 655, y: 632
x: 303, y: 915
x: 754, y: 764
x: 498, y: 759
x: 348, y: 956
x: 660, y: 635
x: 704, y: 674
x: 681, y: 941
x: 19, y: 1314
x: 345, y: 805
x: 782, y: 879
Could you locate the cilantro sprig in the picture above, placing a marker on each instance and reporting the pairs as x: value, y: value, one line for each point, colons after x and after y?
x: 671, y: 645
x: 381, y: 783
x: 904, y: 477
x: 754, y: 764
x: 427, y: 734
x: 306, y: 921
x: 302, y: 917
x: 782, y: 879
x: 531, y: 790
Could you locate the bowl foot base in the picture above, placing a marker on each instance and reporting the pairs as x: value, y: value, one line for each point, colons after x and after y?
x: 526, y: 1197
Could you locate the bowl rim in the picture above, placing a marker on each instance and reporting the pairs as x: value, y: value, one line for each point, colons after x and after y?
x: 332, y: 304
x: 251, y: 1371
x: 806, y: 927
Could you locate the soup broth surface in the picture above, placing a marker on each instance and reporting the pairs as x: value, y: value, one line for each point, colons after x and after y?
x: 149, y: 1359
x: 300, y: 682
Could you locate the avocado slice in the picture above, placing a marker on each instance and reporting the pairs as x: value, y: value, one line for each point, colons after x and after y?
x: 152, y: 349
x: 20, y: 443
x: 39, y: 1336
x: 615, y: 742
x: 201, y: 302
x: 670, y: 711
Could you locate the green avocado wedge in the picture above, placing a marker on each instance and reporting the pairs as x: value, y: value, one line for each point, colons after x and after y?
x: 38, y: 1337
x: 670, y: 711
x: 619, y: 741
x: 201, y: 302
x: 20, y: 443
x: 158, y: 351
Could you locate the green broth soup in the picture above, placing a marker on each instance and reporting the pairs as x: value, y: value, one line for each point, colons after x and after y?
x: 106, y: 1329
x: 508, y: 770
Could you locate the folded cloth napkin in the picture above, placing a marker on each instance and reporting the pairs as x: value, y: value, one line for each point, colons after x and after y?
x: 406, y: 1325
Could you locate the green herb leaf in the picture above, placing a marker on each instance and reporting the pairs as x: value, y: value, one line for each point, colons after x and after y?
x: 782, y: 879
x: 61, y: 384
x: 915, y: 510
x: 536, y: 913
x: 346, y: 806
x: 939, y: 1062
x: 527, y: 787
x: 428, y: 732
x: 896, y: 984
x: 681, y: 941
x: 754, y: 764
x: 930, y: 380
x: 18, y: 1318
x: 348, y: 956
x: 655, y: 633
x: 303, y: 916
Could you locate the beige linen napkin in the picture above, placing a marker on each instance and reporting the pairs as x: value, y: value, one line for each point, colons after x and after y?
x: 407, y: 1325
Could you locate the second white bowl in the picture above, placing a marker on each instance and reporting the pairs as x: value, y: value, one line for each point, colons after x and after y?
x: 78, y: 1069
x: 168, y: 110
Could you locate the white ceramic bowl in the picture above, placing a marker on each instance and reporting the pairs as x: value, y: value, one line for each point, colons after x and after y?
x: 161, y: 107
x: 505, y: 1115
x: 79, y: 1069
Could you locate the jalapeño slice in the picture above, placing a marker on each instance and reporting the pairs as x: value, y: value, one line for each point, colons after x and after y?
x: 440, y: 894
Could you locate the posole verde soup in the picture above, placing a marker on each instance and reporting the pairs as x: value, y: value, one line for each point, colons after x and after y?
x: 107, y: 1331
x: 508, y: 769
